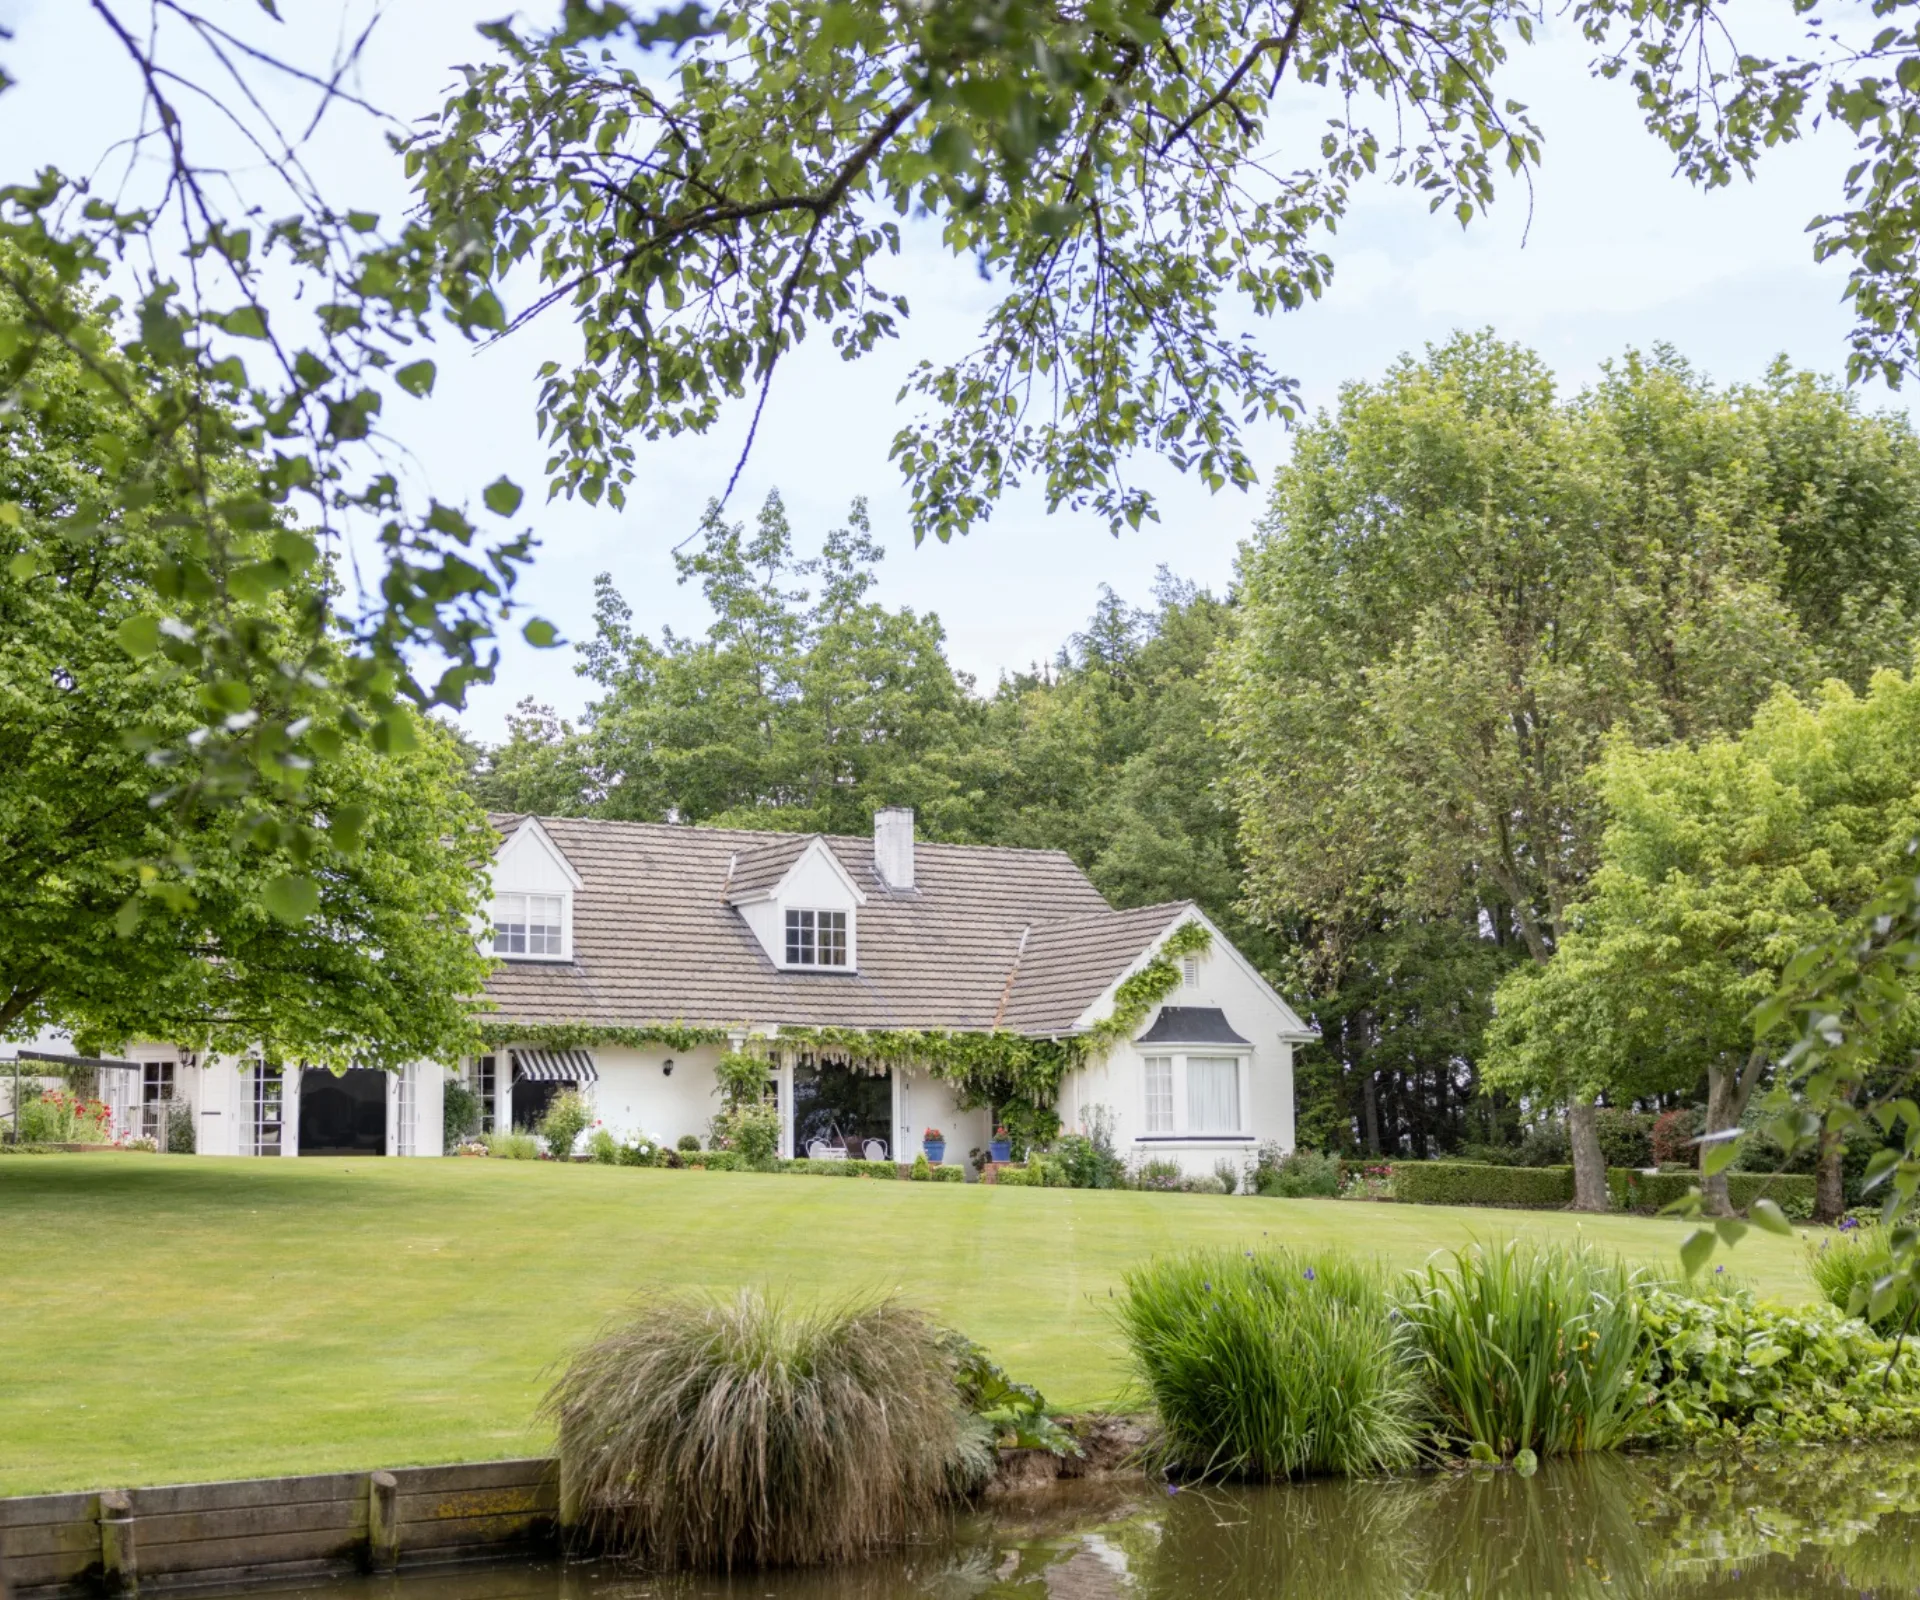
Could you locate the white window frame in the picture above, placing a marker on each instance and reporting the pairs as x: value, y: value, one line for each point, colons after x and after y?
x: 1181, y: 1131
x: 501, y: 918
x: 817, y: 912
x: 1157, y: 1109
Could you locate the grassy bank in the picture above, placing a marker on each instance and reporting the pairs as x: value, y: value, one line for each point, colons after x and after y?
x: 167, y: 1319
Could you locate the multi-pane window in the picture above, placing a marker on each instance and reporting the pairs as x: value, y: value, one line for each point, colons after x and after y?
x: 816, y: 938
x: 267, y: 1088
x: 1213, y: 1094
x: 156, y: 1089
x: 403, y: 1113
x: 482, y: 1083
x: 1159, y: 1094
x: 528, y: 925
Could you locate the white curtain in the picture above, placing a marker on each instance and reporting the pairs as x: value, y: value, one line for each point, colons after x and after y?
x: 1159, y: 1094
x: 1213, y: 1094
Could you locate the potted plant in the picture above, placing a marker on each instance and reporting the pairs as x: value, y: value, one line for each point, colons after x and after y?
x: 1001, y: 1147
x: 934, y: 1142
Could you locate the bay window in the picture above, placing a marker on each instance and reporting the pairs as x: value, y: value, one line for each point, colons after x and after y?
x: 1193, y: 1096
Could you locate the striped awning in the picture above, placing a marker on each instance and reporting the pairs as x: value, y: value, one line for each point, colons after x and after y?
x: 554, y: 1066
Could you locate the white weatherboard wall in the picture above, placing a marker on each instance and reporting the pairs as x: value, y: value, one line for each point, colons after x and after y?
x: 1227, y: 983
x: 922, y: 1102
x: 636, y: 1095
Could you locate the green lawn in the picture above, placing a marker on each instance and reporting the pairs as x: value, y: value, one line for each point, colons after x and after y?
x: 169, y: 1319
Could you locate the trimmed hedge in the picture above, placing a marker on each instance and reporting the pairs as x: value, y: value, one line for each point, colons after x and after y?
x: 1468, y: 1183
x: 1631, y: 1190
x: 842, y: 1169
x: 1473, y: 1183
x: 712, y: 1160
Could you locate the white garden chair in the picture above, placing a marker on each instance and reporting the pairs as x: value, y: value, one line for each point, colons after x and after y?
x: 875, y: 1150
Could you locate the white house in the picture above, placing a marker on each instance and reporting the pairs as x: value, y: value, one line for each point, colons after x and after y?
x: 608, y: 929
x: 632, y: 955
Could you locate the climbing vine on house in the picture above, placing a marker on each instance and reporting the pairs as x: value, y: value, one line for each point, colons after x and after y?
x: 574, y: 1035
x: 1140, y: 993
x: 999, y: 1066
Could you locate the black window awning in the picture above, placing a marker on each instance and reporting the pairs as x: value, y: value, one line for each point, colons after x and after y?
x: 554, y: 1066
x: 1191, y: 1025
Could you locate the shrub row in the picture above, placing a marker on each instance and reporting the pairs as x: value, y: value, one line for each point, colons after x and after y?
x: 1464, y: 1183
x: 867, y: 1169
x: 1652, y: 1191
x: 1470, y: 1183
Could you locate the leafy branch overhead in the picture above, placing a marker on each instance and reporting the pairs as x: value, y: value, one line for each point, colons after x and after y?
x: 1111, y: 167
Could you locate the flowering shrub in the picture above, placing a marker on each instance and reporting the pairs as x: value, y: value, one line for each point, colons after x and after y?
x: 1374, y: 1182
x: 933, y: 1136
x: 568, y: 1116
x: 1727, y: 1366
x: 642, y: 1150
x: 1158, y: 1174
x: 60, y: 1118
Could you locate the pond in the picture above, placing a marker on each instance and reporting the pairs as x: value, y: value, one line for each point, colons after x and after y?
x: 1785, y: 1523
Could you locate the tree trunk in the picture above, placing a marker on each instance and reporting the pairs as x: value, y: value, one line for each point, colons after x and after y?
x: 1589, y: 1169
x: 1372, y: 1112
x: 1829, y: 1181
x: 1727, y: 1094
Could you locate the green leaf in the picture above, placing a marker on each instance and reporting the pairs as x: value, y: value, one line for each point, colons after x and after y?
x: 502, y: 497
x: 291, y: 898
x: 139, y: 636
x: 541, y: 634
x: 416, y: 377
x: 1766, y: 1214
x: 1696, y: 1250
x: 1731, y: 1230
x: 27, y: 564
x: 1718, y: 1157
x: 348, y: 825
x: 244, y: 322
x: 1482, y: 1451
x: 1526, y: 1463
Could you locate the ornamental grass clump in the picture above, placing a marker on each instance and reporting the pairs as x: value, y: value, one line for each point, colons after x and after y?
x: 1850, y: 1265
x: 1271, y: 1364
x: 1530, y: 1348
x: 755, y: 1433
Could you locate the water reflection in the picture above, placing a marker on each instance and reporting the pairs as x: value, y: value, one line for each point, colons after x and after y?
x: 1804, y: 1523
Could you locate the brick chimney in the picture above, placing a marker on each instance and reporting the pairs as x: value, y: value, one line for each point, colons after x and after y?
x: 893, y: 846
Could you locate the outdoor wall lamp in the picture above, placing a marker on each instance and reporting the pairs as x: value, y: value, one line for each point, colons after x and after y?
x: 667, y: 1070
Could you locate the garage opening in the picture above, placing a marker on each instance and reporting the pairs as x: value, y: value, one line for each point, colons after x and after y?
x: 344, y: 1115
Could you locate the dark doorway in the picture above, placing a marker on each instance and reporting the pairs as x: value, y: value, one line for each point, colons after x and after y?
x: 839, y: 1103
x: 344, y: 1115
x: 531, y: 1097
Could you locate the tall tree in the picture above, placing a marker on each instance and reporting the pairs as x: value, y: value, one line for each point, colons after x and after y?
x: 1721, y: 862
x: 358, y: 950
x: 1465, y: 586
x: 805, y: 704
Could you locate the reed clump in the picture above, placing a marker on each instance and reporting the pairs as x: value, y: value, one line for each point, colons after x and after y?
x: 752, y: 1432
x: 1538, y: 1348
x: 1272, y: 1364
x: 1849, y: 1265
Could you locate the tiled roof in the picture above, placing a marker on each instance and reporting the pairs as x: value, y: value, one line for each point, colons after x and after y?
x: 655, y: 939
x: 1067, y: 964
x: 765, y: 864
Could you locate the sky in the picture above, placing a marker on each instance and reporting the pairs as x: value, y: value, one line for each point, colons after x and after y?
x: 1609, y: 251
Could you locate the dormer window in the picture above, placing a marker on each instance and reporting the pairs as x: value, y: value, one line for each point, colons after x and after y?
x: 529, y: 925
x: 816, y: 938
